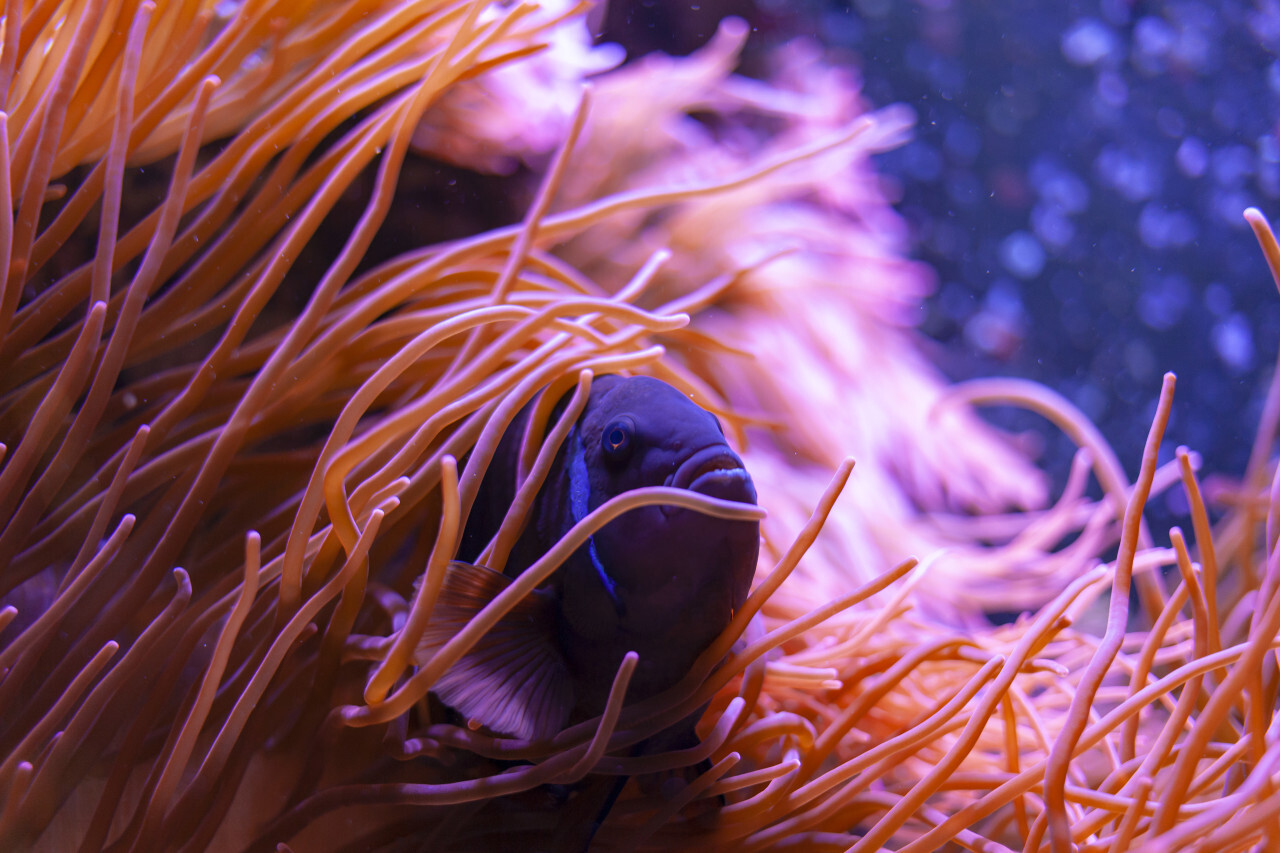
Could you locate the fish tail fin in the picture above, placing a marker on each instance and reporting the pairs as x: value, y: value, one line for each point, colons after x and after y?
x: 513, y: 680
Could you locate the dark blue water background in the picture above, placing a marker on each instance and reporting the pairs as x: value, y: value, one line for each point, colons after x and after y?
x: 1077, y: 179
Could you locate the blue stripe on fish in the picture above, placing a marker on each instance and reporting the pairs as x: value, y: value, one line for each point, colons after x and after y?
x: 579, y: 495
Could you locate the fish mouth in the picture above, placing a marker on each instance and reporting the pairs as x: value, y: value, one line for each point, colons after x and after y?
x: 716, y: 472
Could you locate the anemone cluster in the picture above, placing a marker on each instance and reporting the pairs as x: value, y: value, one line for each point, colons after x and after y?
x: 230, y: 479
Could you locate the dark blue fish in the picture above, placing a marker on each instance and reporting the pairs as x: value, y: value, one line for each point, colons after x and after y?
x: 660, y: 581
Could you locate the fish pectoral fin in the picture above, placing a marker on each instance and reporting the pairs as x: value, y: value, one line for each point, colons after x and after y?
x: 513, y: 680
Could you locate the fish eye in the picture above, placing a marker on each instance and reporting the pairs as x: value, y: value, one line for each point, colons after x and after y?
x: 616, y: 441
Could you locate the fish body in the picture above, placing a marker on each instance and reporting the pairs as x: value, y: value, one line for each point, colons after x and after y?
x: 661, y: 581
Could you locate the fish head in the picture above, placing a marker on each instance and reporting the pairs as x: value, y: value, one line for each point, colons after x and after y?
x: 656, y: 571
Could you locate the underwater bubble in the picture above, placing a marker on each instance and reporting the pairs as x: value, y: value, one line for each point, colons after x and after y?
x: 1163, y: 301
x: 1112, y: 90
x: 1139, y: 361
x: 1273, y: 76
x: 1153, y: 40
x: 1268, y: 148
x: 1217, y: 298
x: 1088, y: 41
x: 1232, y: 340
x: 1022, y: 255
x: 1131, y: 174
x: 1264, y: 23
x: 1232, y: 164
x: 1198, y: 30
x: 1005, y: 297
x: 1091, y: 400
x: 1192, y: 157
x: 1227, y: 204
x: 1051, y: 226
x: 1161, y: 228
x: 999, y: 327
x: 1059, y: 187
x: 1269, y: 178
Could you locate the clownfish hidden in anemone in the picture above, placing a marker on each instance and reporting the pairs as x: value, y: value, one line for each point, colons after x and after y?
x: 662, y: 581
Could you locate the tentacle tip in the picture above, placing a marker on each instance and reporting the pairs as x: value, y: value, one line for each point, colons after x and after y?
x: 734, y: 27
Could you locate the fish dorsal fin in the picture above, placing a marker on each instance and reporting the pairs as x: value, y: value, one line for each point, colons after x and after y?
x: 514, y: 679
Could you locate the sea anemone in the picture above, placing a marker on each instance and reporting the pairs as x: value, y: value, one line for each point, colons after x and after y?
x: 230, y: 480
